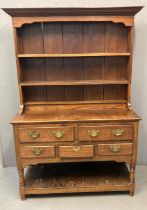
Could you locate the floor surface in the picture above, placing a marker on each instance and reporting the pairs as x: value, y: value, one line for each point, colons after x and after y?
x: 9, y: 196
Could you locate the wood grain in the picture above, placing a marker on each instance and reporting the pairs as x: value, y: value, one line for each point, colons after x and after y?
x: 28, y: 151
x: 73, y: 82
x: 105, y: 133
x: 32, y: 38
x: 74, y: 68
x: 76, y: 113
x: 46, y: 134
x: 106, y: 149
x: 72, y: 55
x: 76, y: 151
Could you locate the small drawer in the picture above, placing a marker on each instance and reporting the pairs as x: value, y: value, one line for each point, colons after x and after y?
x: 37, y: 151
x: 115, y: 149
x: 105, y: 133
x: 84, y: 151
x: 46, y: 134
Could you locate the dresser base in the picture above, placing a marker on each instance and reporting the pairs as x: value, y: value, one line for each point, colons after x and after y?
x: 77, y: 178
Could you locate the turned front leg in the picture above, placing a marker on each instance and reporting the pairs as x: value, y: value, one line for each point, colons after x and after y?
x: 132, y: 180
x: 21, y: 183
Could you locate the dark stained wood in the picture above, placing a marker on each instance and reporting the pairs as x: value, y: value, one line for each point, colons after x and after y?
x: 37, y: 94
x: 115, y: 68
x: 74, y: 70
x: 72, y: 38
x: 93, y: 93
x: 112, y: 92
x: 34, y: 69
x: 55, y: 93
x: 116, y: 38
x: 93, y: 68
x: 94, y: 39
x: 32, y: 38
x: 52, y: 33
x: 54, y: 69
x: 74, y: 93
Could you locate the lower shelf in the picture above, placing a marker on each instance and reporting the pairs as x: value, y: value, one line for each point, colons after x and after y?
x: 77, y: 177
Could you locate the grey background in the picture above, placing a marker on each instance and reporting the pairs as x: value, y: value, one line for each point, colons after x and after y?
x: 9, y: 99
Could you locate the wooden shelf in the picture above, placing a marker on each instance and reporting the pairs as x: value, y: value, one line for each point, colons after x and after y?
x: 74, y: 83
x: 76, y: 102
x: 72, y: 55
x: 86, y: 177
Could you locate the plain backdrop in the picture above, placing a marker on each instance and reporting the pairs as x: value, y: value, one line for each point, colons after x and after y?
x: 9, y: 98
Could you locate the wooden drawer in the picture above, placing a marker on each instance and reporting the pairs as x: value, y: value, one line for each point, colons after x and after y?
x: 105, y: 133
x: 76, y: 151
x: 46, y: 134
x: 115, y: 149
x: 37, y: 151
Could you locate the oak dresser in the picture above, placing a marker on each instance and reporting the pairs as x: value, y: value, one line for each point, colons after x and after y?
x: 76, y: 130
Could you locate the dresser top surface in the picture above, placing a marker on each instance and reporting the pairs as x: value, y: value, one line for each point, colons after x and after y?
x: 75, y: 114
x: 29, y: 12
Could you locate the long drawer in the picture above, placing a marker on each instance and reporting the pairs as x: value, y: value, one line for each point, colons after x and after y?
x: 110, y: 132
x: 46, y: 134
x: 115, y: 149
x: 37, y: 151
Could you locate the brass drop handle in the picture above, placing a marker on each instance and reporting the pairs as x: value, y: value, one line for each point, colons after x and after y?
x: 58, y: 134
x: 118, y: 132
x: 76, y: 149
x: 34, y: 134
x: 94, y: 133
x: 115, y: 148
x: 37, y: 151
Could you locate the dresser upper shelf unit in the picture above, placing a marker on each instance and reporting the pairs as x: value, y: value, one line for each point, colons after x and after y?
x: 73, y: 55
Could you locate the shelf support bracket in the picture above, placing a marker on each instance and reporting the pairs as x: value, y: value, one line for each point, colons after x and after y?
x: 21, y: 109
x: 129, y: 106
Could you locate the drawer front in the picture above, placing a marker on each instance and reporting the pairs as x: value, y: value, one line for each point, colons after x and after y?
x: 115, y: 149
x: 76, y: 151
x: 105, y: 133
x: 46, y: 134
x: 37, y: 151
